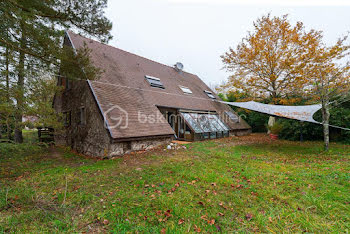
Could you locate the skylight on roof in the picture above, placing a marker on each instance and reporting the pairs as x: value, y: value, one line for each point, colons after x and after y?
x: 185, y: 89
x: 232, y: 116
x: 154, y: 82
x: 210, y: 94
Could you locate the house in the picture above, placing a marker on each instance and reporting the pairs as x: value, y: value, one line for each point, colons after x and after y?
x: 138, y: 104
x: 29, y: 121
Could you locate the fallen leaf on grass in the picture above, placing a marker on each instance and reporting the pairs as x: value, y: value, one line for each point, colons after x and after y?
x: 248, y: 217
x: 19, y: 178
x: 105, y: 222
x: 221, y: 214
x: 181, y: 221
x: 223, y: 206
x: 167, y: 213
x: 192, y: 182
x: 158, y: 212
x: 197, y: 229
x: 211, y: 222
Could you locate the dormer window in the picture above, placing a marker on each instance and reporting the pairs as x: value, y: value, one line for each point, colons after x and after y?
x: 154, y: 82
x: 185, y: 90
x: 210, y: 94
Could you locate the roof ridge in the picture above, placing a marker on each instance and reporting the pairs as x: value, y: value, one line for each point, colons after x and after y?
x: 114, y: 47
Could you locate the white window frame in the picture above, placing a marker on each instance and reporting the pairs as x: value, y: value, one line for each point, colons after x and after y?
x: 154, y: 78
x: 209, y: 94
x: 185, y: 89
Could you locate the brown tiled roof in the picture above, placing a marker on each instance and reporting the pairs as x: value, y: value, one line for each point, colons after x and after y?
x: 123, y: 84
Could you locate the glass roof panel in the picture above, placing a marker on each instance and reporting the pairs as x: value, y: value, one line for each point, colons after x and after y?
x: 214, y: 123
x: 204, y: 122
x: 192, y: 122
x: 222, y: 124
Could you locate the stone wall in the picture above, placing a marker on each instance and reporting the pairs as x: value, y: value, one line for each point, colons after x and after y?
x: 91, y: 137
x: 240, y: 132
x: 120, y: 148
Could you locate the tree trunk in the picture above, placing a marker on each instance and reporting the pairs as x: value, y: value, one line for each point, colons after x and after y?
x: 20, y: 91
x: 8, y: 126
x: 325, y: 122
x: 272, y: 121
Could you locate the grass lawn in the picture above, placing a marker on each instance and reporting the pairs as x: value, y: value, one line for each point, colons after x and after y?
x: 240, y: 184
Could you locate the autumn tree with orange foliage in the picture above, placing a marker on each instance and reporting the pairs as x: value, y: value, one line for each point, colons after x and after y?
x: 279, y: 61
x: 270, y: 62
x: 329, y: 80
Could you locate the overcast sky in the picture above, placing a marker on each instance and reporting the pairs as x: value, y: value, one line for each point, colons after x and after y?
x: 197, y: 32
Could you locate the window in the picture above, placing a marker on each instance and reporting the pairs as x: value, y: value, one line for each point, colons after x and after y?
x: 226, y: 133
x: 219, y: 134
x: 185, y: 90
x: 81, y: 114
x: 210, y: 94
x: 206, y: 135
x: 232, y: 116
x: 67, y: 118
x: 154, y: 82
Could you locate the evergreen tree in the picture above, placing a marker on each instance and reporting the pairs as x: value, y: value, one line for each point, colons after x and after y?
x: 33, y: 32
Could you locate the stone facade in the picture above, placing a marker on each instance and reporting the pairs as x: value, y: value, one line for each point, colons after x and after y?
x: 92, y: 137
x: 120, y: 148
x: 240, y: 132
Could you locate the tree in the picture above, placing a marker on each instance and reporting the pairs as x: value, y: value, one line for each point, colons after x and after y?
x: 329, y: 80
x: 281, y: 62
x: 6, y: 78
x: 270, y: 62
x: 40, y: 95
x: 34, y: 31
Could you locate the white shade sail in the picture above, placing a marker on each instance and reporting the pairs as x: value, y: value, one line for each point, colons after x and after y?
x: 302, y: 113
